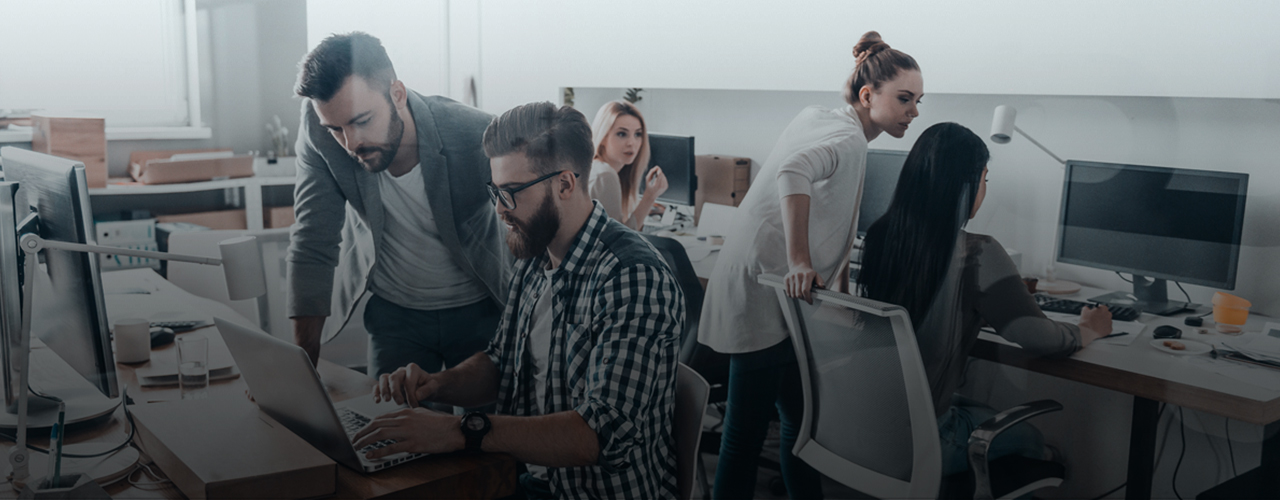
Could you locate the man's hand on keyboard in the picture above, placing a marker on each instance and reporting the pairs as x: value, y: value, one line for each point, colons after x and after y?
x: 406, y: 386
x: 414, y: 430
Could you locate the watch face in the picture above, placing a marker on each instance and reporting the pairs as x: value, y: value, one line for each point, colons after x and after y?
x: 475, y: 423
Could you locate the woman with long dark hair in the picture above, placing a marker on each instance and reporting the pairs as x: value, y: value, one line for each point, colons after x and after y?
x: 798, y: 219
x: 951, y: 282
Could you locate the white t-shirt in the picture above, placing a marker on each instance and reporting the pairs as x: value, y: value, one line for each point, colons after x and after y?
x: 414, y: 268
x: 539, y: 345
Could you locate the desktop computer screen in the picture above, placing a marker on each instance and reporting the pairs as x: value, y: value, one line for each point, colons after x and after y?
x: 1153, y: 222
x: 10, y: 290
x: 881, y: 179
x: 675, y: 155
x: 68, y: 314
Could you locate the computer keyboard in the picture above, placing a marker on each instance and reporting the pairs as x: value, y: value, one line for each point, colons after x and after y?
x: 352, y: 422
x: 1054, y: 304
x: 181, y: 325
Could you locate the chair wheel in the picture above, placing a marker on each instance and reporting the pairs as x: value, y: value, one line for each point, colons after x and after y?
x: 777, y: 487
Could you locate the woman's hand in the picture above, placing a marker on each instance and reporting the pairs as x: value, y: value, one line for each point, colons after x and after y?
x: 655, y: 182
x: 1095, y: 323
x: 800, y: 282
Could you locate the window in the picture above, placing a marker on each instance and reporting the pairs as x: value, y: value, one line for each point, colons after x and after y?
x: 132, y: 63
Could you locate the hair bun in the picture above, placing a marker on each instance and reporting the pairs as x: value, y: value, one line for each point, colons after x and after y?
x: 869, y: 45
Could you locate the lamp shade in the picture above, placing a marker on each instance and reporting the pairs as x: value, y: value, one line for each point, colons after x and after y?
x: 242, y: 266
x: 1002, y: 124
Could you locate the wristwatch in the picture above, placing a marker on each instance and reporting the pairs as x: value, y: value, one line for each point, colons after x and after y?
x: 474, y: 426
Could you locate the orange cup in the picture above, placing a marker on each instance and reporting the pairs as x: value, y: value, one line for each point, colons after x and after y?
x: 1229, y: 309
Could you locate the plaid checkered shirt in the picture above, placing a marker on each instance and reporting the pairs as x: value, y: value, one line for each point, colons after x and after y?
x: 617, y: 317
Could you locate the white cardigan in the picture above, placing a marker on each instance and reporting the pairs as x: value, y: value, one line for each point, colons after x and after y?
x: 822, y: 153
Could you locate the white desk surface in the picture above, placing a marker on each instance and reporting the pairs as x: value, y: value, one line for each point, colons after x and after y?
x: 1195, y: 381
x: 1249, y: 393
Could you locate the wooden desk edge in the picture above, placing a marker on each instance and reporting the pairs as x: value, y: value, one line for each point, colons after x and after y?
x: 1154, y: 388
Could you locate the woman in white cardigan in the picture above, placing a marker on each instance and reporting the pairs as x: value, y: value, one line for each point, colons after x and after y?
x: 799, y: 219
x: 622, y: 154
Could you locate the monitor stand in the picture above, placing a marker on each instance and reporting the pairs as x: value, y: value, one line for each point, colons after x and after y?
x: 1150, y: 295
x: 53, y: 376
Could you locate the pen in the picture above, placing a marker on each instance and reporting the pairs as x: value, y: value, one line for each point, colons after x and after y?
x: 55, y: 447
x: 1117, y: 334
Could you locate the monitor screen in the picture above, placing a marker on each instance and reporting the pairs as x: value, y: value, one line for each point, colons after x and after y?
x: 674, y: 154
x: 881, y: 179
x: 1165, y: 223
x: 69, y: 314
x: 10, y: 291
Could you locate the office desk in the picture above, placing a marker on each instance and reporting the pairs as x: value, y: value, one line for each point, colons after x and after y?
x: 443, y: 476
x: 1151, y: 377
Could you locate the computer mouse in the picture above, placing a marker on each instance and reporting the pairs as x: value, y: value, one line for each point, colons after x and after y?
x: 161, y: 336
x: 1167, y: 332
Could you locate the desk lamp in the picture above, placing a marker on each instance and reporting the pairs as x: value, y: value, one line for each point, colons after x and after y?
x: 241, y: 263
x: 1002, y: 129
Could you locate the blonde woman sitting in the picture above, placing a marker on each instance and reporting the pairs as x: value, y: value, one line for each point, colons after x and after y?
x: 622, y: 153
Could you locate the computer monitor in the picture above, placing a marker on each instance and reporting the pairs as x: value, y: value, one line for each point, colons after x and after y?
x: 10, y: 292
x: 69, y: 313
x: 1156, y: 223
x: 674, y: 154
x: 878, y: 185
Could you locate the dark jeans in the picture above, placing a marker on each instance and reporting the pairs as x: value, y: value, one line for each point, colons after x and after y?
x: 758, y: 382
x: 433, y: 339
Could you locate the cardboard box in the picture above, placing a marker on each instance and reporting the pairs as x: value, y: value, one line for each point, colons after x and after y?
x: 79, y: 138
x: 227, y: 448
x: 190, y: 165
x: 722, y: 180
x: 218, y: 219
x: 277, y: 217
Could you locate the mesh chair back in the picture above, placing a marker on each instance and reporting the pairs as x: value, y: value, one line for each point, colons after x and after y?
x: 868, y: 420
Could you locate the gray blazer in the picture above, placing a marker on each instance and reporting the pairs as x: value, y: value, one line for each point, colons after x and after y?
x: 340, y: 216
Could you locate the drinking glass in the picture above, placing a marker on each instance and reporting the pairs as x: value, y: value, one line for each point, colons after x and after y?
x: 193, y: 366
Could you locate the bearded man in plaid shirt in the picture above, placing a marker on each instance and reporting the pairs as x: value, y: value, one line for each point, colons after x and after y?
x: 583, y: 365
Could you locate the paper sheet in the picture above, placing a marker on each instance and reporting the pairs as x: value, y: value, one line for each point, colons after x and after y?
x: 1265, y: 378
x: 1132, y: 329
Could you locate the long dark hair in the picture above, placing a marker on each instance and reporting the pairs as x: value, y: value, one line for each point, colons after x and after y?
x: 906, y: 252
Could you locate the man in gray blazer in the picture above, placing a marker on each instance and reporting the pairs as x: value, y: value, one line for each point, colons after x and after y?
x: 391, y: 191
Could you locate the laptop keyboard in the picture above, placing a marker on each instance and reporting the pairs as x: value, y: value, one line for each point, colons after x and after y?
x: 352, y: 422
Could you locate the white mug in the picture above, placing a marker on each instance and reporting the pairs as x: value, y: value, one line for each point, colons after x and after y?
x: 133, y: 340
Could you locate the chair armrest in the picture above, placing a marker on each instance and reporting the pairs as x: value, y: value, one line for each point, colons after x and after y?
x: 980, y: 440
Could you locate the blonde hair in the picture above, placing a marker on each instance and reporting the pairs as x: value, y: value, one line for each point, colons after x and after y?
x: 632, y: 174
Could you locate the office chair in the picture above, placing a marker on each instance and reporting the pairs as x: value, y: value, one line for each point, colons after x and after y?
x: 711, y: 365
x: 869, y: 420
x: 686, y: 426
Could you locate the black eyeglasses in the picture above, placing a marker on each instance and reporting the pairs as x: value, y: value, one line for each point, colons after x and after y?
x: 508, y: 195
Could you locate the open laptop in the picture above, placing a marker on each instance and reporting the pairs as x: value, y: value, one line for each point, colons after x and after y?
x: 285, y: 385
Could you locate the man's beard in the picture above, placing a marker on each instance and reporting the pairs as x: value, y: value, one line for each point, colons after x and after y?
x: 387, y: 151
x: 530, y: 239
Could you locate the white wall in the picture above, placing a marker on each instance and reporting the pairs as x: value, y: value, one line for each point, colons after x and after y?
x: 1083, y: 47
